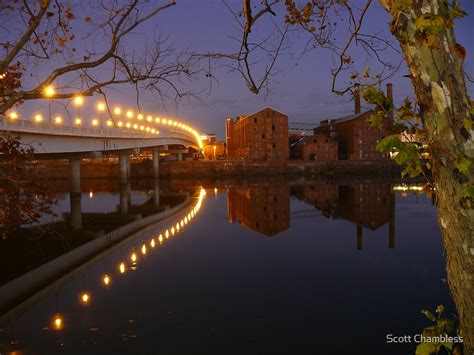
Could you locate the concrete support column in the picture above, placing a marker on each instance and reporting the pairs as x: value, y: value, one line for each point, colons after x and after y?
x: 75, y: 164
x: 359, y: 237
x: 180, y: 156
x: 123, y: 164
x: 129, y: 174
x: 124, y: 201
x: 391, y: 224
x: 76, y: 210
x: 156, y: 163
x: 156, y: 192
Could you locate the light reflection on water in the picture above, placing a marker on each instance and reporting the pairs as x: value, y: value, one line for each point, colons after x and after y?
x: 352, y: 258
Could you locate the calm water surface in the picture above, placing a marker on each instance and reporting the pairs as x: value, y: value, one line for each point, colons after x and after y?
x: 264, y: 268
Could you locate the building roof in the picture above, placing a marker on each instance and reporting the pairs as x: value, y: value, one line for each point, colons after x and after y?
x: 309, y: 139
x: 343, y: 119
x: 265, y: 108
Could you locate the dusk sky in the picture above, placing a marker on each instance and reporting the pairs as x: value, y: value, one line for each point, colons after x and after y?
x: 302, y: 89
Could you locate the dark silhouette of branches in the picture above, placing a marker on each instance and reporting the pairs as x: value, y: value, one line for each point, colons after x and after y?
x: 48, y: 31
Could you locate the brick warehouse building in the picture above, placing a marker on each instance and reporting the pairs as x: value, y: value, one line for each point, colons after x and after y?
x: 317, y: 147
x: 262, y: 135
x: 356, y: 140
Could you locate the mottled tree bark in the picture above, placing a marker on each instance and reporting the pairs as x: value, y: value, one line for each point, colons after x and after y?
x: 435, y: 65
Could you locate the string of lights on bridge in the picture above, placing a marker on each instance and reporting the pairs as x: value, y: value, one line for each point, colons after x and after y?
x: 85, y: 297
x: 124, y: 118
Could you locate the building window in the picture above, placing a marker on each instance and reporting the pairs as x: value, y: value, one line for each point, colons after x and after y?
x: 255, y: 120
x: 263, y: 135
x: 273, y: 127
x: 274, y: 145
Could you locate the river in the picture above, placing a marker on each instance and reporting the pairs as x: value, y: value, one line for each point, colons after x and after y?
x: 278, y: 267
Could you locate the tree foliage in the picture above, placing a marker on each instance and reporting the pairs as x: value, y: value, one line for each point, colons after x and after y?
x: 23, y: 200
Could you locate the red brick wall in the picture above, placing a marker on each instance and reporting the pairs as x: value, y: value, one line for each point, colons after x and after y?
x: 321, y: 148
x: 261, y: 136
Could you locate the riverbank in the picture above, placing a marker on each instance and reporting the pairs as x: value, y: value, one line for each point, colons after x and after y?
x: 211, y: 169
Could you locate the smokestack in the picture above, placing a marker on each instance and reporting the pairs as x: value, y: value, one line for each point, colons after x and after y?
x: 356, y: 98
x: 390, y: 96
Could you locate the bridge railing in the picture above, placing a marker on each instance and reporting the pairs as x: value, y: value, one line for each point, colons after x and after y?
x: 28, y: 126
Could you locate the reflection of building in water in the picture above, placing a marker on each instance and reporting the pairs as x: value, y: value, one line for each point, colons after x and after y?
x: 265, y: 210
x: 366, y: 205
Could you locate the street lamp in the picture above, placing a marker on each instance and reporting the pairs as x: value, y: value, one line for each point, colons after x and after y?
x: 78, y: 101
x: 49, y: 92
x: 214, y: 152
x: 101, y: 109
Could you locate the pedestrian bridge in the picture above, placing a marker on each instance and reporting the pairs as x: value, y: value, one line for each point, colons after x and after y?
x: 56, y: 137
x: 121, y: 133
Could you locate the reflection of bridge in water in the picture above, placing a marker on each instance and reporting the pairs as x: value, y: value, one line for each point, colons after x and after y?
x: 23, y: 292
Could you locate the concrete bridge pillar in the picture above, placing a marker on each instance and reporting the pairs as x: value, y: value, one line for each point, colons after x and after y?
x: 180, y: 156
x: 124, y: 198
x: 156, y: 193
x: 124, y: 164
x: 156, y: 163
x: 391, y: 224
x: 129, y: 174
x: 76, y: 210
x: 75, y: 164
x: 359, y: 237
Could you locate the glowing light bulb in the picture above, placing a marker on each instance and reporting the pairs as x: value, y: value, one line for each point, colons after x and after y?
x: 134, y: 257
x: 177, y: 226
x: 101, y: 107
x: 95, y: 122
x: 149, y: 118
x: 143, y: 249
x: 135, y: 126
x: 129, y: 114
x: 147, y: 129
x: 91, y: 194
x: 142, y: 128
x: 117, y: 110
x: 119, y: 123
x: 167, y: 234
x: 157, y: 120
x: 77, y: 121
x: 58, y: 322
x: 140, y: 117
x: 106, y: 280
x: 13, y: 115
x: 152, y: 243
x: 78, y: 100
x: 157, y: 132
x: 58, y: 120
x: 153, y: 130
x: 172, y: 230
x: 164, y: 120
x: 85, y: 298
x: 49, y: 91
x: 38, y: 118
x: 160, y: 238
x: 122, y: 268
x: 182, y: 223
x: 109, y: 123
x: 128, y: 125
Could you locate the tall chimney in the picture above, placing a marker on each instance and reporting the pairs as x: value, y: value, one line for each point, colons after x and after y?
x: 390, y: 96
x: 356, y: 98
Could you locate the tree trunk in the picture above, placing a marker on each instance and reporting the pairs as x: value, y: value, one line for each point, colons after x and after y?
x: 435, y: 62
